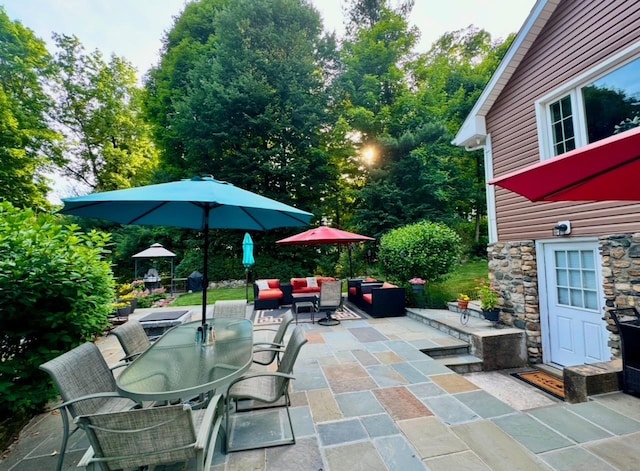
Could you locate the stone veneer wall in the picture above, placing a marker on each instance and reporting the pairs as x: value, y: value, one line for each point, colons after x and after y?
x: 513, y: 270
x: 620, y: 277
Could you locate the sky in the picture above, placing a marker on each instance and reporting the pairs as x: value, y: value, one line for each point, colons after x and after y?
x: 133, y: 29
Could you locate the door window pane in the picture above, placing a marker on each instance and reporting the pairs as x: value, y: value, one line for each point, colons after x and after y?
x: 576, y: 278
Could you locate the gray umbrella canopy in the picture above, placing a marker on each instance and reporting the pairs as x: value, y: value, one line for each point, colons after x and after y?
x: 201, y: 203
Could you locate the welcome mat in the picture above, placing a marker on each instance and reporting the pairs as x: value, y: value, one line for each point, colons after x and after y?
x: 543, y: 381
x: 274, y: 316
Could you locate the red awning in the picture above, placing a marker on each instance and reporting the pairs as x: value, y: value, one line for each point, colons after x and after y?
x: 606, y: 170
x: 324, y: 235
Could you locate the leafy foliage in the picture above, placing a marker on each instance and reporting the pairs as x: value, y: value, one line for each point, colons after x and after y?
x: 55, y: 293
x: 99, y: 108
x: 426, y: 250
x: 27, y: 144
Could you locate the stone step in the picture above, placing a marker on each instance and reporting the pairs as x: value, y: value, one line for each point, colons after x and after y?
x: 494, y: 345
x: 461, y: 348
x: 462, y: 363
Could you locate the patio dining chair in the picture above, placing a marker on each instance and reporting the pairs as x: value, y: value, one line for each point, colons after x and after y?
x: 86, y: 385
x: 330, y: 301
x: 141, y: 438
x: 263, y: 389
x: 132, y: 338
x: 269, y: 346
x: 230, y: 308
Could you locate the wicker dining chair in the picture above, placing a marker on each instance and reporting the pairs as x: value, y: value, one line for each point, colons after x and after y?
x: 230, y: 308
x: 86, y: 385
x: 262, y: 388
x: 152, y: 436
x: 132, y: 338
x: 266, y: 349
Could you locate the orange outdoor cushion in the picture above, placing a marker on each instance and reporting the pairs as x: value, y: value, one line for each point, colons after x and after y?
x: 388, y: 285
x: 274, y: 293
x: 306, y: 289
x: 353, y: 290
x: 368, y: 298
x: 298, y: 283
x: 370, y: 280
x: 274, y: 283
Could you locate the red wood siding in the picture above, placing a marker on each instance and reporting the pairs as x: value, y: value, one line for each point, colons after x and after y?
x: 578, y: 36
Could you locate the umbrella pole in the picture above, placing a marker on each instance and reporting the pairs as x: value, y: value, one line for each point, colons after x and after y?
x: 350, y: 267
x: 205, y: 278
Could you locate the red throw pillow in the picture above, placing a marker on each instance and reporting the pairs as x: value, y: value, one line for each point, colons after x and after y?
x: 298, y: 283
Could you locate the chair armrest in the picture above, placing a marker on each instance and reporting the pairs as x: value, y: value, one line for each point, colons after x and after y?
x: 279, y: 345
x: 204, y: 433
x: 265, y: 329
x: 256, y: 375
x: 101, y: 395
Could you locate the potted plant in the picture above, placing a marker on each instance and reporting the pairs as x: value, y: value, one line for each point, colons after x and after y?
x: 463, y: 301
x: 489, y: 299
x: 417, y: 284
x: 121, y: 309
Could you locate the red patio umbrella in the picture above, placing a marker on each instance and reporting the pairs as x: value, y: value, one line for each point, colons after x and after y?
x: 605, y: 170
x: 325, y: 235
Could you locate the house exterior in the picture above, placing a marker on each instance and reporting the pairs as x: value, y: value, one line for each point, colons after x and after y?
x: 571, y: 76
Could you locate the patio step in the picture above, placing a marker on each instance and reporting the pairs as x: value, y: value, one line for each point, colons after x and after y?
x: 490, y: 346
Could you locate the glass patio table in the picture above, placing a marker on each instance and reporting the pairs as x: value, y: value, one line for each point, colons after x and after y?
x: 177, y: 366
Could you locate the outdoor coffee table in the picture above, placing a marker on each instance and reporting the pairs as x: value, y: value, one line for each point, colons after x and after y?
x: 157, y: 323
x: 177, y: 366
x: 305, y: 306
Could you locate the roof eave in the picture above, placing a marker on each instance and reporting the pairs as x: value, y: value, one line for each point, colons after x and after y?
x: 473, y: 131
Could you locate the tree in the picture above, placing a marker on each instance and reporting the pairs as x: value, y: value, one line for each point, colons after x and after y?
x: 99, y: 109
x: 27, y: 144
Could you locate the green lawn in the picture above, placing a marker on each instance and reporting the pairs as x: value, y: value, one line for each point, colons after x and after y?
x: 213, y: 295
x: 462, y: 280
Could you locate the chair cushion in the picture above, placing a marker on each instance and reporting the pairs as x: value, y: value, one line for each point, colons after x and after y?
x: 298, y: 283
x: 262, y: 284
x: 270, y: 294
x: 274, y: 283
x: 388, y: 285
x: 368, y: 298
x: 353, y: 291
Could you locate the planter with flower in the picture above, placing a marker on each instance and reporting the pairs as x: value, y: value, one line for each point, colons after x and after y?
x: 121, y: 309
x: 489, y: 300
x: 417, y: 284
x: 463, y: 301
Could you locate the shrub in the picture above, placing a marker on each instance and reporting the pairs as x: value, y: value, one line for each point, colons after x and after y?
x: 56, y: 291
x: 427, y: 250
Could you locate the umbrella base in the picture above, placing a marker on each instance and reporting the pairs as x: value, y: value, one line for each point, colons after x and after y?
x: 328, y: 321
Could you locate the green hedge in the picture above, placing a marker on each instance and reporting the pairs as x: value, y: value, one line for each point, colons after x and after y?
x: 55, y: 293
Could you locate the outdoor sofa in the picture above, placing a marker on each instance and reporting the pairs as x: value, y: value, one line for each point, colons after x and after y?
x: 271, y: 293
x: 377, y: 298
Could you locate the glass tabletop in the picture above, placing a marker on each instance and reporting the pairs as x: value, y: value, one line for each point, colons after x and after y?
x: 177, y: 366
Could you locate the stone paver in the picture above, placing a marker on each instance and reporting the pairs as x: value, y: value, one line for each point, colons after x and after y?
x: 349, y: 412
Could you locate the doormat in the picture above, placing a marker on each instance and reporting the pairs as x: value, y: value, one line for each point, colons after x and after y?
x: 543, y: 381
x: 274, y: 316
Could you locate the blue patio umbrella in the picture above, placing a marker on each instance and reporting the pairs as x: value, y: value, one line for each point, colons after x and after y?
x: 247, y: 259
x: 247, y: 251
x: 200, y: 203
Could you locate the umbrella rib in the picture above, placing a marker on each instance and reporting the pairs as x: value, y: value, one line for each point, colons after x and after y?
x: 263, y: 227
x: 150, y: 210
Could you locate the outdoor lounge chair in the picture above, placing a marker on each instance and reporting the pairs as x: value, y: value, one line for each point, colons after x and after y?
x: 265, y: 352
x: 86, y: 385
x: 330, y: 301
x: 153, y: 436
x: 132, y: 338
x: 265, y: 387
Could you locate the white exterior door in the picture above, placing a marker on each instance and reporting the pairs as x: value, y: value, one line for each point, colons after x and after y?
x: 576, y: 333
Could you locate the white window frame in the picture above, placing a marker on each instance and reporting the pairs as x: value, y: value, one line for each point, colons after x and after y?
x: 573, y: 88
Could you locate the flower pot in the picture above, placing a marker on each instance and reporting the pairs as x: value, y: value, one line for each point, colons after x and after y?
x: 492, y: 315
x: 463, y: 304
x: 418, y: 289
